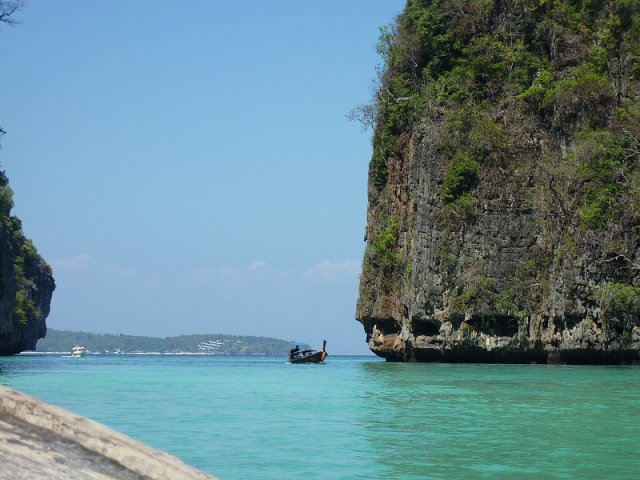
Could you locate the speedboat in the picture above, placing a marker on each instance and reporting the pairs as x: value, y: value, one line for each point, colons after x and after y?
x: 308, y: 356
x: 78, y: 351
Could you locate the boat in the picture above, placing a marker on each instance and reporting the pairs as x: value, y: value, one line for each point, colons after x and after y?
x: 78, y: 351
x: 308, y: 356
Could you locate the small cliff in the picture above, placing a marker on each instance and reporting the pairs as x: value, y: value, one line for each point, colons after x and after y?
x: 504, y: 186
x: 26, y: 282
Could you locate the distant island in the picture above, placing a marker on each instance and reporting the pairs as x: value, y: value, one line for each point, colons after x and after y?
x: 214, y: 344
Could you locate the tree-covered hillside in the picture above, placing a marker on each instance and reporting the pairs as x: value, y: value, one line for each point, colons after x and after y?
x: 215, y: 344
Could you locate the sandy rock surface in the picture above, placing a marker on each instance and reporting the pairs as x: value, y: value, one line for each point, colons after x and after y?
x: 40, y: 441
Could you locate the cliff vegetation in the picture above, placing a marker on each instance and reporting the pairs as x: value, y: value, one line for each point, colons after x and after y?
x: 504, y: 183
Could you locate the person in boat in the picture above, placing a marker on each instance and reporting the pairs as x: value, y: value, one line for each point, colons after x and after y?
x: 293, y: 352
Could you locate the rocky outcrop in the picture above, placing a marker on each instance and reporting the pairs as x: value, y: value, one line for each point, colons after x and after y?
x: 40, y: 441
x: 504, y: 188
x: 26, y: 283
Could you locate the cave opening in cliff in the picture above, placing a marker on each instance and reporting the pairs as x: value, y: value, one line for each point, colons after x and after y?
x: 385, y: 325
x: 425, y: 326
x: 495, y: 325
x: 571, y: 321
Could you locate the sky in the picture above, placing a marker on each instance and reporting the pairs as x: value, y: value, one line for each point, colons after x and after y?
x: 188, y: 167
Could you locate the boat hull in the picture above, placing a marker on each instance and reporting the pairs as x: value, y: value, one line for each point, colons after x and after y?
x: 317, y: 357
x: 78, y: 352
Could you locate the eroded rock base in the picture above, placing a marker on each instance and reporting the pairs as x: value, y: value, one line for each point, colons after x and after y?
x: 584, y: 344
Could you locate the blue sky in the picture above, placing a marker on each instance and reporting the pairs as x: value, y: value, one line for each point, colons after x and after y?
x: 187, y: 167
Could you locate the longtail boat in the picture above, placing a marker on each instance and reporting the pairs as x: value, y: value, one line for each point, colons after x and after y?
x: 309, y: 356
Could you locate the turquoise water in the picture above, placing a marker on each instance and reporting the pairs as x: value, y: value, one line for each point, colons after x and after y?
x: 355, y: 417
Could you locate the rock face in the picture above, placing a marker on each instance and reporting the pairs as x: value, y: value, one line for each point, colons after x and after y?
x: 26, y: 283
x: 40, y: 441
x: 504, y: 188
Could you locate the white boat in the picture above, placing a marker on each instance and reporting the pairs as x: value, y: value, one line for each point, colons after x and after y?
x: 78, y: 351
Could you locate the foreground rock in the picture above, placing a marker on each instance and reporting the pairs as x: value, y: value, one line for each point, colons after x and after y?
x: 40, y: 441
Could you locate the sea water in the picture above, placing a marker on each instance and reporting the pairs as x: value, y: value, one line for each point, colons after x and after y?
x: 355, y: 417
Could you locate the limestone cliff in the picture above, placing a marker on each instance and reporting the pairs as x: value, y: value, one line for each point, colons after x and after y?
x: 41, y: 441
x: 504, y: 185
x: 26, y: 283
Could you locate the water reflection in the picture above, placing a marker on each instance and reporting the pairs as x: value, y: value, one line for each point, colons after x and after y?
x: 495, y: 421
x: 21, y: 365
